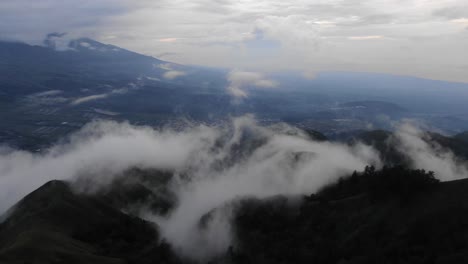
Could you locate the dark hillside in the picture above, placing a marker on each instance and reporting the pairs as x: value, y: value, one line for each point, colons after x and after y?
x: 386, y: 144
x: 418, y: 221
x: 393, y: 215
x: 462, y: 136
x: 54, y: 225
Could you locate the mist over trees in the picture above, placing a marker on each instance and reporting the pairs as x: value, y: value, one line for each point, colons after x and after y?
x: 237, y: 193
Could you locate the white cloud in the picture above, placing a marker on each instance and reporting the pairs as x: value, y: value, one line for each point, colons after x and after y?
x: 89, y: 98
x: 171, y: 75
x: 48, y: 93
x: 287, y: 163
x: 168, y: 40
x: 240, y: 80
x: 131, y: 86
x: 50, y: 97
x: 461, y: 21
x: 365, y: 37
x: 164, y: 66
x: 431, y: 157
x: 214, y: 176
x: 311, y: 35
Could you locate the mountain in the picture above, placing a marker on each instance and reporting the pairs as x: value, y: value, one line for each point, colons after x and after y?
x: 401, y: 217
x: 55, y: 225
x: 385, y: 143
x: 394, y: 215
x: 86, y: 64
x: 375, y: 106
x: 462, y: 136
x: 48, y: 92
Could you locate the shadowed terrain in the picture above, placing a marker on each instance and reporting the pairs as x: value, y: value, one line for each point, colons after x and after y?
x: 393, y: 215
x: 55, y: 225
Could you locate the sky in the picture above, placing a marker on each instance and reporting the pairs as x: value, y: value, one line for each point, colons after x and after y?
x: 424, y: 38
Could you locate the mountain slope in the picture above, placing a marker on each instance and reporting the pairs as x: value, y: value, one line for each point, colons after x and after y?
x: 387, y: 144
x: 425, y: 225
x: 462, y: 136
x: 55, y: 225
x: 395, y: 215
x: 87, y: 64
x: 46, y: 93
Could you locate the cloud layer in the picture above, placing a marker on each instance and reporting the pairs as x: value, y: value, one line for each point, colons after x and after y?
x: 422, y: 37
x: 432, y: 157
x: 239, y: 81
x: 214, y: 166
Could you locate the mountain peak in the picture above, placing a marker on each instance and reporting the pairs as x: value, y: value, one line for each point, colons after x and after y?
x: 91, y: 45
x: 61, y: 42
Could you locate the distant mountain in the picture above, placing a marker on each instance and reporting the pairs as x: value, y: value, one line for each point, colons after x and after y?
x: 47, y: 92
x: 86, y: 64
x: 375, y: 106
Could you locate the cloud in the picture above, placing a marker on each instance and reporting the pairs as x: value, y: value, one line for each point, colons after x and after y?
x: 285, y: 162
x: 214, y: 166
x: 171, y: 75
x: 48, y: 93
x: 413, y: 143
x: 52, y: 40
x: 105, y: 112
x: 99, y: 147
x: 153, y: 78
x: 30, y: 22
x: 259, y: 47
x: 131, y: 86
x: 165, y: 66
x: 239, y: 81
x: 168, y: 40
x: 365, y: 37
x: 461, y: 21
x: 297, y: 35
x: 89, y: 98
x: 452, y: 12
x: 50, y: 97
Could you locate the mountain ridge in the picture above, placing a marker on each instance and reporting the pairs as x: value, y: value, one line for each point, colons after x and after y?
x: 53, y: 224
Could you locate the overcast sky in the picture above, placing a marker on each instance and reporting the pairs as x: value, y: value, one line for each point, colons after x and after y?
x: 427, y: 38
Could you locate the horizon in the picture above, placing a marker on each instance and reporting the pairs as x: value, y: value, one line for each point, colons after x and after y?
x: 426, y: 39
x: 64, y: 47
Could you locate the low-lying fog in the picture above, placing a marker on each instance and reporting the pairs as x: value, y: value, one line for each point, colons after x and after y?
x: 219, y: 164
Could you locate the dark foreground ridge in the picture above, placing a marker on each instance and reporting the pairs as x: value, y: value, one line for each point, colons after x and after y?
x: 54, y: 225
x: 393, y: 215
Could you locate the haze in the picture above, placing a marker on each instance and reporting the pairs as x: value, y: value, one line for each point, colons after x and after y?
x: 421, y: 38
